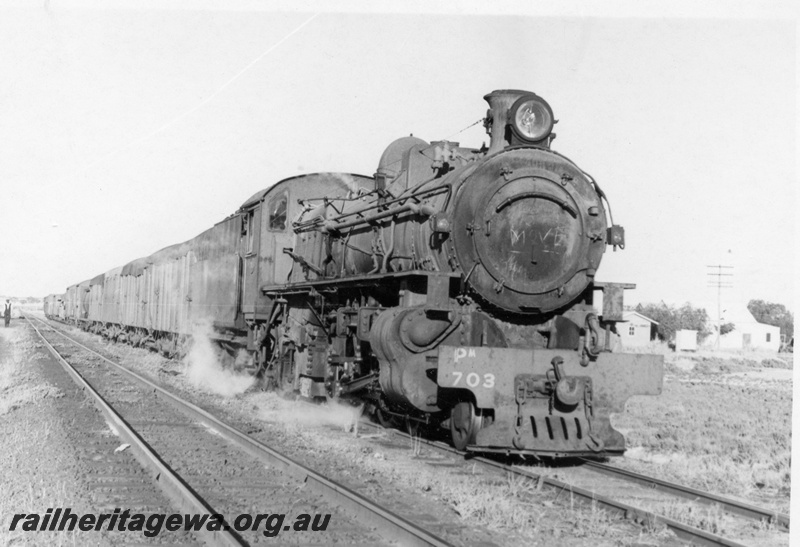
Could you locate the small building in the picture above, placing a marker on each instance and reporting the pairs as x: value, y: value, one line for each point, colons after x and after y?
x: 686, y: 340
x: 748, y: 333
x: 636, y: 330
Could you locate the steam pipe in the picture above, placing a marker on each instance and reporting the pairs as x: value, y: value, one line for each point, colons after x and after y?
x: 388, y: 212
x: 426, y: 210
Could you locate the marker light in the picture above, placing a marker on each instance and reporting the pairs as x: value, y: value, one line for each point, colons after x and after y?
x: 441, y: 224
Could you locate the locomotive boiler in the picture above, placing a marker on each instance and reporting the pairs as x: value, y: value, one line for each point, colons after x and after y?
x: 454, y: 288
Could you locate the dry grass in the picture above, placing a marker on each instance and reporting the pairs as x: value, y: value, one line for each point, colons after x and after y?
x: 513, y: 505
x: 657, y: 347
x: 711, y: 519
x: 18, y: 387
x: 715, y: 429
x: 520, y: 506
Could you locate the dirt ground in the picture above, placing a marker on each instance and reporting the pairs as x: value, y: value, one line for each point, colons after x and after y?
x: 37, y: 472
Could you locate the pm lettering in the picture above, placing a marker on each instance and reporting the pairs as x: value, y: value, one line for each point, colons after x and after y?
x: 473, y: 379
x: 460, y: 353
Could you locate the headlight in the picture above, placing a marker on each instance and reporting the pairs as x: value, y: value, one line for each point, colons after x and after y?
x: 532, y: 118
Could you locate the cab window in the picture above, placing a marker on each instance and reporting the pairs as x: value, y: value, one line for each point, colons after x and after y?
x: 277, y: 213
x: 248, y: 234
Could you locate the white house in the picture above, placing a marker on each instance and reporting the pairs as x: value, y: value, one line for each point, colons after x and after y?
x: 637, y: 330
x: 748, y: 333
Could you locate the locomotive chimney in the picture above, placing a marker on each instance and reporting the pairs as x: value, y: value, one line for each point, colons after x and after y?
x: 500, y: 102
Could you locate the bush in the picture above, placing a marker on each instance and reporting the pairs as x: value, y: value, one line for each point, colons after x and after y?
x: 773, y: 314
x: 671, y: 319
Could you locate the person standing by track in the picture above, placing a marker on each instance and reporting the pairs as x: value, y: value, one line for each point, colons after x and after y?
x: 7, y: 312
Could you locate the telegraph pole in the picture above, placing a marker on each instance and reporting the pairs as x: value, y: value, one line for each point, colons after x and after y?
x: 719, y: 279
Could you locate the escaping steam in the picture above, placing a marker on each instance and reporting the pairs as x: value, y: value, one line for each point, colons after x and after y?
x: 275, y: 409
x: 204, y: 367
x: 349, y: 182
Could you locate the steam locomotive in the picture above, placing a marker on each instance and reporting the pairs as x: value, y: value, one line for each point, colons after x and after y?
x: 454, y: 288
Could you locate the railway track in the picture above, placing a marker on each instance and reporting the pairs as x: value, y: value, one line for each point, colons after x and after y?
x: 644, y: 489
x: 729, y: 505
x: 205, y: 466
x: 651, y: 491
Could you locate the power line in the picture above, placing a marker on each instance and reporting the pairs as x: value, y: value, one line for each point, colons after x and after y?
x: 721, y: 282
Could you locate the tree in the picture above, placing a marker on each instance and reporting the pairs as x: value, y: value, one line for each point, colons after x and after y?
x: 773, y: 314
x: 725, y: 328
x: 671, y: 319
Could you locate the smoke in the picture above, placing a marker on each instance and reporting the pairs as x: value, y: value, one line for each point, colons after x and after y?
x: 274, y: 409
x: 349, y: 182
x: 204, y: 368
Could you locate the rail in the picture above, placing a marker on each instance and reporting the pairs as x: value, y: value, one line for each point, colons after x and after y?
x: 170, y: 483
x: 730, y: 505
x: 393, y: 526
x: 684, y: 531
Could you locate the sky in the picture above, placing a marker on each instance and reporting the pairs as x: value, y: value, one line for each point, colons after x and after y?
x: 129, y: 129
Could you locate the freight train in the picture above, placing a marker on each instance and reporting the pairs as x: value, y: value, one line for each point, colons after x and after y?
x: 454, y: 289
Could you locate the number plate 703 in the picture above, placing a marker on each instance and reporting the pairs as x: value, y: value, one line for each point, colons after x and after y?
x: 472, y: 379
